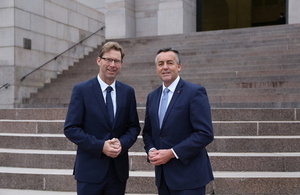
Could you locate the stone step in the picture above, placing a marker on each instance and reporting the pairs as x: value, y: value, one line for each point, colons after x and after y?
x: 257, y: 105
x: 59, y: 159
x: 224, y: 183
x: 194, y: 74
x: 189, y: 69
x: 190, y: 61
x: 216, y: 91
x: 218, y: 54
x: 222, y: 72
x: 261, y: 90
x: 63, y: 180
x: 51, y: 159
x: 256, y: 128
x: 215, y: 59
x: 222, y: 54
x: 33, y: 192
x: 221, y: 128
x: 218, y: 114
x: 255, y: 144
x: 241, y: 101
x: 280, y: 84
x: 36, y: 141
x: 39, y: 192
x: 255, y: 98
x: 235, y: 95
x: 230, y: 80
x: 253, y: 91
x: 32, y: 126
x: 256, y: 162
x: 193, y: 62
x: 33, y: 113
x: 238, y: 144
x: 256, y: 183
x: 258, y: 36
x: 220, y: 143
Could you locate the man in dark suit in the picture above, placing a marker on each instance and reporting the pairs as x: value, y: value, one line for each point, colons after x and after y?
x: 281, y: 19
x: 176, y: 141
x: 103, y: 122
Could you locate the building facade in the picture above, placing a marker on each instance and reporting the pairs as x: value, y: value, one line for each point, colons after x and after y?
x: 32, y: 32
x: 36, y: 31
x: 139, y: 18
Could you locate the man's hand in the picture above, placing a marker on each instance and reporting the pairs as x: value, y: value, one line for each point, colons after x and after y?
x: 112, y: 148
x: 159, y: 157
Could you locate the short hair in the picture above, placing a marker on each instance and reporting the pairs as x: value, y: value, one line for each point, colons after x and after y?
x: 112, y: 45
x: 178, y: 60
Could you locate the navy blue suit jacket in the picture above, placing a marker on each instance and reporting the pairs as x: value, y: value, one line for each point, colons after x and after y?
x: 87, y: 125
x: 187, y: 128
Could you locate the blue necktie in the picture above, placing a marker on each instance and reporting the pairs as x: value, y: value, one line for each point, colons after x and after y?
x: 163, y: 106
x: 109, y: 104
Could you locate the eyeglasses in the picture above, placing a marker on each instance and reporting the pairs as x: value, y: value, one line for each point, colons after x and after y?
x: 109, y: 60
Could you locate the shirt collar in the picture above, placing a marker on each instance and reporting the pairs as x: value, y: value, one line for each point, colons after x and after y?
x: 173, y: 85
x: 103, y: 85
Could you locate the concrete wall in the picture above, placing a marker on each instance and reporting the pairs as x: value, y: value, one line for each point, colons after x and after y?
x: 129, y: 18
x: 7, y: 59
x: 176, y: 17
x: 293, y: 16
x: 146, y: 17
x: 52, y: 26
x: 120, y: 17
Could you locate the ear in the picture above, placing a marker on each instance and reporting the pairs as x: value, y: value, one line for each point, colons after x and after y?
x: 179, y: 67
x: 98, y: 60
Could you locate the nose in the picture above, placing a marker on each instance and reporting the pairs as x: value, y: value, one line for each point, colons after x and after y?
x: 112, y: 63
x: 165, y: 66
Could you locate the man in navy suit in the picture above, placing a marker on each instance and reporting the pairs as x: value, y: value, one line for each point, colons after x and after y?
x: 103, y: 122
x: 176, y: 142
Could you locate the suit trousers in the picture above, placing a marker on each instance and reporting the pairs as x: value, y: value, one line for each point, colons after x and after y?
x: 111, y: 185
x: 163, y: 189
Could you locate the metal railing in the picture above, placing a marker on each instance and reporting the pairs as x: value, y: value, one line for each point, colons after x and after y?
x: 6, y: 85
x: 24, y: 77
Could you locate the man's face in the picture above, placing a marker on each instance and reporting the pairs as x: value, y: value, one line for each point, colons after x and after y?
x: 167, y: 67
x: 109, y: 69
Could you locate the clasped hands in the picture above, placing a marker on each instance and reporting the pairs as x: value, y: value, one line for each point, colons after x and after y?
x: 159, y: 157
x: 112, y: 148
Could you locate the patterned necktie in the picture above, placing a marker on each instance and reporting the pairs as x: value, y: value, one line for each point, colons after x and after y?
x: 163, y: 106
x: 109, y: 104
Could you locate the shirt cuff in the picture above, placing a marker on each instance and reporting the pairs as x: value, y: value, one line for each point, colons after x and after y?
x: 151, y: 149
x: 174, y: 153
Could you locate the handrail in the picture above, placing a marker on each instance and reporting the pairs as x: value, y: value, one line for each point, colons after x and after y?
x: 6, y: 85
x: 23, y: 78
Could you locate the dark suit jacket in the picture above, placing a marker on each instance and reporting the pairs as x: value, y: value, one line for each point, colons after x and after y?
x: 87, y: 125
x: 187, y: 128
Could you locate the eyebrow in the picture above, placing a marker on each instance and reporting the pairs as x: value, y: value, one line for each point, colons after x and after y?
x: 166, y: 61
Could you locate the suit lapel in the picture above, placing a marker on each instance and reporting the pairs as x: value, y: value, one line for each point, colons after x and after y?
x: 119, y: 100
x: 157, y: 103
x: 175, y: 96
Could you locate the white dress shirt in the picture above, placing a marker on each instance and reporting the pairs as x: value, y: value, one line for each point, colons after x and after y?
x: 172, y: 88
x: 103, y: 86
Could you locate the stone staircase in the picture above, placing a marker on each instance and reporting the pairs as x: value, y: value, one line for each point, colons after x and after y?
x: 255, y: 151
x: 252, y: 79
x: 241, y: 68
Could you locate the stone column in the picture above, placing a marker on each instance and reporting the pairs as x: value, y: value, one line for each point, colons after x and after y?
x: 292, y: 15
x: 7, y: 42
x: 120, y: 19
x: 176, y: 17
